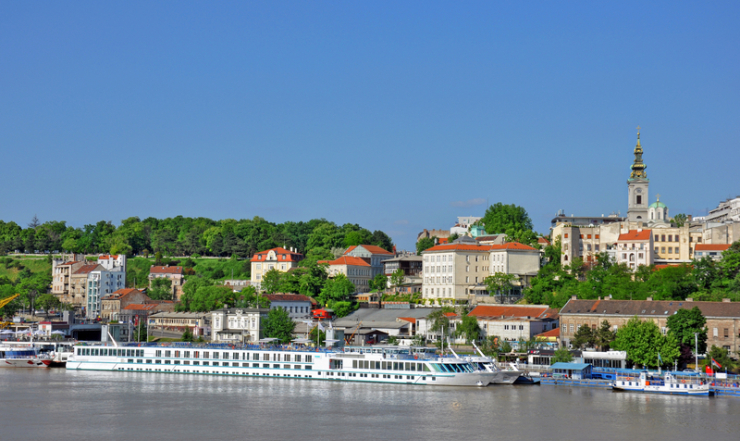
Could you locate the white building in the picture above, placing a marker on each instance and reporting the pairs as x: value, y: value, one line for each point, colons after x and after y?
x: 515, y: 322
x: 357, y: 270
x: 297, y: 306
x: 100, y: 283
x: 240, y: 325
x: 374, y: 254
x: 278, y: 259
x: 635, y: 248
x: 457, y: 271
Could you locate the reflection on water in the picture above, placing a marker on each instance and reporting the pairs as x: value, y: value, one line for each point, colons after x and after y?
x: 46, y: 403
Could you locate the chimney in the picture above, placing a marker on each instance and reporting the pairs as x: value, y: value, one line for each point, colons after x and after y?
x: 574, y: 297
x: 610, y: 296
x: 689, y: 299
x: 726, y: 300
x: 649, y: 299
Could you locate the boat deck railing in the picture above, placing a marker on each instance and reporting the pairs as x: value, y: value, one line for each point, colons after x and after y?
x: 236, y: 346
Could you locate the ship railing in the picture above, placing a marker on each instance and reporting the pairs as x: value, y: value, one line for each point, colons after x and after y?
x: 186, y: 345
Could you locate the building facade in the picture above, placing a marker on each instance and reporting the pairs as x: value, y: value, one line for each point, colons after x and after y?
x: 374, y: 254
x: 357, y: 270
x: 296, y: 305
x: 278, y: 259
x: 237, y: 325
x: 723, y: 318
x: 515, y: 322
x: 635, y: 248
x: 113, y: 303
x: 709, y: 250
x: 197, y: 322
x: 173, y: 273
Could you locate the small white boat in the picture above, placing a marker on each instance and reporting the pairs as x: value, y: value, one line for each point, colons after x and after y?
x: 22, y: 357
x: 669, y: 384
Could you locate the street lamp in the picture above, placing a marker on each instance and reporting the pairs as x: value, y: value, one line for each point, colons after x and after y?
x: 32, y: 296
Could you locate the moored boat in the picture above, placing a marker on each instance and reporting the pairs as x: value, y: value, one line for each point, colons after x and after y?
x: 396, y: 365
x: 670, y: 384
x: 22, y: 357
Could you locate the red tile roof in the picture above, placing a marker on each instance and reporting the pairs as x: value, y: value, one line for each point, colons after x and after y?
x: 373, y: 249
x: 459, y: 247
x: 290, y: 255
x: 140, y: 307
x: 408, y: 319
x: 86, y: 269
x: 635, y: 235
x: 71, y: 262
x: 510, y: 311
x: 450, y: 314
x: 543, y: 241
x: 711, y: 247
x: 347, y: 260
x: 443, y: 240
x: 165, y: 270
x: 287, y: 298
x: 107, y: 256
x: 123, y: 292
x: 551, y: 333
x: 513, y: 246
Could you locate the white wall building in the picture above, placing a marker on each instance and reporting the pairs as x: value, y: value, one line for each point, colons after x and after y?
x: 237, y: 324
x: 635, y: 248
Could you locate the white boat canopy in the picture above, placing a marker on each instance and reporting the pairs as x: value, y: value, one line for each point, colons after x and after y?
x: 302, y: 340
x: 268, y: 340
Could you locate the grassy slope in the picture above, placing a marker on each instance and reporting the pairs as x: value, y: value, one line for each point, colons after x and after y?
x: 35, y: 265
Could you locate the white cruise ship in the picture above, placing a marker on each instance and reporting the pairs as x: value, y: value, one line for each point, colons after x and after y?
x: 398, y: 365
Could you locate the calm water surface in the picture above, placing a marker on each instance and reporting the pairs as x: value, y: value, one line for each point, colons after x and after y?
x: 48, y: 404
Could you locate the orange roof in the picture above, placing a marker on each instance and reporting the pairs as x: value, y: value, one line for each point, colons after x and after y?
x: 543, y: 241
x: 551, y: 333
x: 371, y: 248
x: 442, y: 240
x: 166, y: 270
x: 450, y: 314
x: 636, y: 235
x: 290, y: 255
x: 513, y: 246
x: 711, y: 247
x: 459, y: 247
x: 347, y: 260
x: 278, y: 297
x: 509, y: 311
x: 408, y: 319
x: 140, y: 307
x: 85, y: 269
x: 106, y: 257
x: 118, y: 294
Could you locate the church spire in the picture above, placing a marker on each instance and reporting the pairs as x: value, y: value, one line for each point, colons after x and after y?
x: 638, y: 168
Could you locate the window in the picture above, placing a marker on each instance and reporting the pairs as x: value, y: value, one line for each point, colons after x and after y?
x: 566, y: 235
x: 597, y: 236
x: 662, y: 250
x: 589, y: 236
x: 638, y: 199
x: 714, y: 332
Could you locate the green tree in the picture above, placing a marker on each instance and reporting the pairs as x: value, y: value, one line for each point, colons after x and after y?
x: 161, y: 289
x: 272, y: 280
x: 561, y: 355
x: 684, y: 323
x: 397, y: 278
x: 469, y: 328
x: 338, y: 289
x: 424, y: 244
x: 187, y: 335
x: 342, y: 309
x: 440, y: 319
x: 584, y: 336
x: 511, y: 220
x: 680, y: 220
x: 643, y: 342
x: 721, y: 356
x: 278, y: 325
x: 321, y: 335
x: 453, y: 237
x: 48, y: 302
x: 379, y: 282
x: 500, y: 283
x: 604, y: 336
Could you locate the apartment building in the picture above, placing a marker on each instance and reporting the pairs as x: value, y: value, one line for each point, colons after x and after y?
x: 278, y: 259
x: 357, y: 270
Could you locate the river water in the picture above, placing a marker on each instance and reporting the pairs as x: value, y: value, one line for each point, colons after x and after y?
x: 46, y: 404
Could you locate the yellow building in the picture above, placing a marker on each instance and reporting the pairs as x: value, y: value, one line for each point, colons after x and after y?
x: 278, y: 259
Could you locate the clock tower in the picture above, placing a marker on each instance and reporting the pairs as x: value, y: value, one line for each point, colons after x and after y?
x: 637, y: 185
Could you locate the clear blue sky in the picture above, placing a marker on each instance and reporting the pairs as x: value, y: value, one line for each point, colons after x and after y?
x: 398, y: 116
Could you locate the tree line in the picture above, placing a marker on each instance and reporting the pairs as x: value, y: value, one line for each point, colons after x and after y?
x: 703, y: 280
x: 185, y: 236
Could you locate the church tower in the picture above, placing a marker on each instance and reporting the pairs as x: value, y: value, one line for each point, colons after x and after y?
x: 637, y: 208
